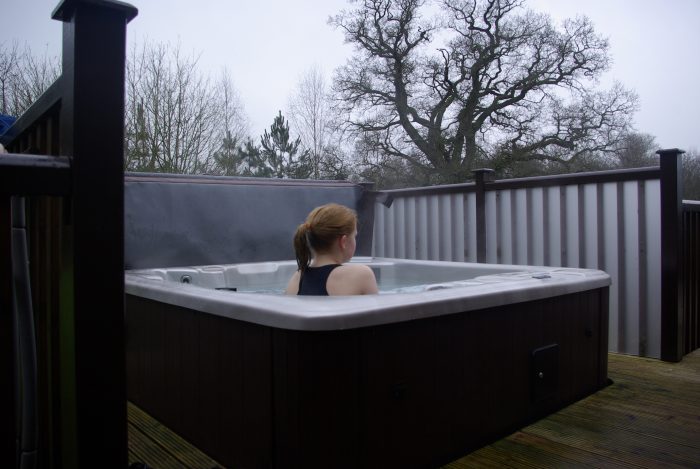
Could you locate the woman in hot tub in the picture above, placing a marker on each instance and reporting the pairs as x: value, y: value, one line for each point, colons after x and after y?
x: 323, y: 244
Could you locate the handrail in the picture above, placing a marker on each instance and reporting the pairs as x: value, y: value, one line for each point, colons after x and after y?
x: 691, y: 205
x: 615, y: 175
x: 34, y: 175
x: 45, y: 105
x: 593, y: 177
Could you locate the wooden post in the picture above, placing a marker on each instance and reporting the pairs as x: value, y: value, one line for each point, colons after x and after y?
x: 7, y: 359
x: 691, y: 274
x: 480, y: 180
x: 671, y: 245
x: 92, y: 291
x: 365, y: 213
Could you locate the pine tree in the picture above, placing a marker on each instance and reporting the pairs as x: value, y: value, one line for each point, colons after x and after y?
x: 229, y: 158
x: 278, y: 155
x: 251, y: 159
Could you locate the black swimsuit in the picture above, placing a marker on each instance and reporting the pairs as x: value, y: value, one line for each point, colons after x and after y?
x: 313, y: 280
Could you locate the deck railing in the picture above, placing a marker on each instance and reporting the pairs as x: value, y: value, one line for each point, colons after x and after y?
x: 608, y: 220
x: 76, y: 416
x: 691, y: 269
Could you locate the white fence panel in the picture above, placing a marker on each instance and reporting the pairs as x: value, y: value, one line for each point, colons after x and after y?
x: 612, y: 226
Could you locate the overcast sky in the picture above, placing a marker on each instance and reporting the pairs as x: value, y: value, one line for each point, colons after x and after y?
x: 266, y: 45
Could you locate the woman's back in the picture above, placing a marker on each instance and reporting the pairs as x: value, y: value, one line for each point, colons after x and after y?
x: 314, y: 280
x: 346, y: 279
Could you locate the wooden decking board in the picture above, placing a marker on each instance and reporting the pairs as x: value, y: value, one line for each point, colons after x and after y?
x: 637, y: 428
x: 641, y: 387
x: 625, y: 420
x: 630, y: 447
x: 186, y: 454
x: 490, y: 458
x: 648, y: 417
x: 641, y: 409
x: 578, y: 457
x: 483, y: 463
x: 661, y: 398
x: 142, y: 448
x: 153, y: 443
x: 522, y: 454
x: 643, y: 419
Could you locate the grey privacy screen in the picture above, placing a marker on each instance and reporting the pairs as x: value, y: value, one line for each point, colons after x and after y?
x: 173, y: 220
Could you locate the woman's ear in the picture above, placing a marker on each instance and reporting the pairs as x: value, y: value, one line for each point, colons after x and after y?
x: 343, y: 241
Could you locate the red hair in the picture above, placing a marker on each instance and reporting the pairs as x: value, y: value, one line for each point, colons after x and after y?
x: 322, y: 227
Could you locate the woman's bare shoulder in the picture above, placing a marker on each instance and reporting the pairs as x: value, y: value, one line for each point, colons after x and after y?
x: 361, y: 277
x: 356, y: 269
x: 293, y: 285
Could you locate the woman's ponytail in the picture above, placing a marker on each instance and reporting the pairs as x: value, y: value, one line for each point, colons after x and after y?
x: 301, y: 247
x: 322, y: 227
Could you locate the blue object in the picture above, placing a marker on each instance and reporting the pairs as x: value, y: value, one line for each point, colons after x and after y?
x: 6, y: 122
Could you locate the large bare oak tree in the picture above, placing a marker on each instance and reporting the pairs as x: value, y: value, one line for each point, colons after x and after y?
x: 476, y: 78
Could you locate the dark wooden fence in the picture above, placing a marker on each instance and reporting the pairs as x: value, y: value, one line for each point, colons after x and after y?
x: 74, y: 226
x: 691, y: 269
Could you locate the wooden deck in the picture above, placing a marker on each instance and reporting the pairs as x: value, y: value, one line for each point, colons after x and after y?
x: 152, y: 443
x: 648, y: 417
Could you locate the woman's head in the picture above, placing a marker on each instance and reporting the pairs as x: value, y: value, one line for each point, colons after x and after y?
x: 323, y: 227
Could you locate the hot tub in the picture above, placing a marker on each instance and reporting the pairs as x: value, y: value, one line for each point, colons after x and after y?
x: 448, y: 357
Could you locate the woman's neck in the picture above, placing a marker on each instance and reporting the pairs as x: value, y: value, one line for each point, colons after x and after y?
x: 326, y: 259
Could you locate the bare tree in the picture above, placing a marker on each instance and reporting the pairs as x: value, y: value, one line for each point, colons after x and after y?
x: 487, y: 76
x: 691, y: 175
x: 9, y: 69
x: 235, y: 120
x: 309, y: 114
x: 637, y: 150
x: 228, y: 159
x: 24, y: 76
x: 387, y: 171
x: 315, y: 119
x: 176, y: 119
